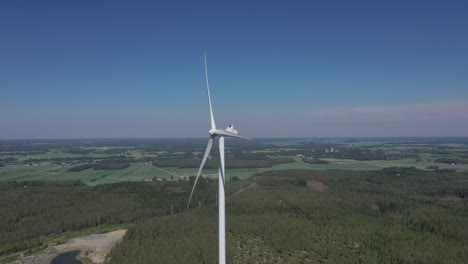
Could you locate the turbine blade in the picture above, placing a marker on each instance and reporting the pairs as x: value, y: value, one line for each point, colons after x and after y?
x: 207, y: 152
x: 221, y: 159
x: 213, y: 125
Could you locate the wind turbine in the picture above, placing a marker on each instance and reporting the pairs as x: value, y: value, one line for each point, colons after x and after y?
x: 220, y: 134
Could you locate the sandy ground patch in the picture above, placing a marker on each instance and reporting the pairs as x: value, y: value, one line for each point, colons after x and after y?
x: 316, y: 186
x: 94, y: 247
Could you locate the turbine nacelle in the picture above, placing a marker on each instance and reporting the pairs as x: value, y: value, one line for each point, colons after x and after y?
x: 228, y: 132
x: 231, y: 129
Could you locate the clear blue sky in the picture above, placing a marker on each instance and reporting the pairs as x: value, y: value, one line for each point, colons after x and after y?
x: 80, y: 69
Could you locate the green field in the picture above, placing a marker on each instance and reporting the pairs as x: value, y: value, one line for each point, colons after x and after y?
x: 136, y: 172
x: 139, y: 171
x: 29, y: 161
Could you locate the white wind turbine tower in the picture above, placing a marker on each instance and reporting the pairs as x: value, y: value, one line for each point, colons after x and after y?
x: 217, y: 133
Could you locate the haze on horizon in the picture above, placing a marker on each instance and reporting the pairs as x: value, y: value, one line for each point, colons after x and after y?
x: 98, y: 69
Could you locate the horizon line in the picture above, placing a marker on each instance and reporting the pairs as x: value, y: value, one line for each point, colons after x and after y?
x: 312, y: 137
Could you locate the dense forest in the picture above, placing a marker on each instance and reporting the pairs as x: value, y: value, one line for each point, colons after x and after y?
x: 395, y: 215
x: 392, y: 215
x: 34, y: 209
x: 398, y: 215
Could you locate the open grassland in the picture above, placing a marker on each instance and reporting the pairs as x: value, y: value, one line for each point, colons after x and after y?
x: 378, y: 164
x: 136, y: 172
x: 333, y: 164
x: 350, y: 164
x: 110, y: 162
x: 139, y: 171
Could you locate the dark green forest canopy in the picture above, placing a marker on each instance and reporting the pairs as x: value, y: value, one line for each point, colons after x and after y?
x: 402, y: 215
x: 366, y: 217
x: 34, y: 209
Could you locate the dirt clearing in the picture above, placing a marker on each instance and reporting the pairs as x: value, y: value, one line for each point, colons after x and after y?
x: 316, y: 186
x: 95, y: 247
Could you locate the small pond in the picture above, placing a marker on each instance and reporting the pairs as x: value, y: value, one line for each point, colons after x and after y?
x: 67, y: 258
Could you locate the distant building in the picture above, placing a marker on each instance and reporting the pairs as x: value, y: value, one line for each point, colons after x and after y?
x: 148, y: 180
x: 158, y: 179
